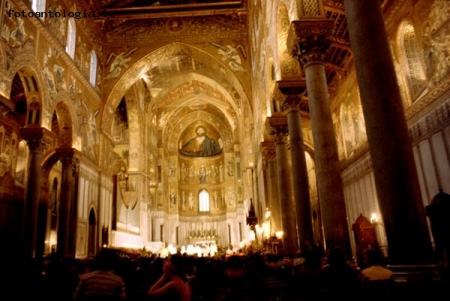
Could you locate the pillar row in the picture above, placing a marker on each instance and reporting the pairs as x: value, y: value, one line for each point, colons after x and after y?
x: 289, y: 93
x: 278, y: 128
x: 309, y: 41
x: 271, y: 181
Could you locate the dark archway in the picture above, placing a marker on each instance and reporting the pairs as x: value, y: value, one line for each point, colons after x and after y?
x: 92, y: 233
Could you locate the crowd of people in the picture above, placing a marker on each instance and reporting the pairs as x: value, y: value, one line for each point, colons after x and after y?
x: 113, y: 275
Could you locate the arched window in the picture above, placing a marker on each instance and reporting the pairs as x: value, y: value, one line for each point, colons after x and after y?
x: 39, y: 6
x: 54, y: 197
x: 93, y: 69
x: 415, y: 72
x: 203, y: 201
x: 71, y: 38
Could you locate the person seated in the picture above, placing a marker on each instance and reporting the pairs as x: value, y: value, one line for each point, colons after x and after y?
x: 102, y: 284
x: 377, y: 281
x: 173, y: 284
x: 338, y: 280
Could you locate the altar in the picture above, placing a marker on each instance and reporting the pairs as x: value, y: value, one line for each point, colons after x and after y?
x: 203, y: 241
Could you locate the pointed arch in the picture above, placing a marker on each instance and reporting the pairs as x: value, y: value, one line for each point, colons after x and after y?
x: 71, y: 37
x: 63, y: 125
x: 92, y: 233
x: 412, y: 61
x: 285, y: 65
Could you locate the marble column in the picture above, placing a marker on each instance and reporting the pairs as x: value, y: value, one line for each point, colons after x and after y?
x: 387, y: 134
x: 279, y: 130
x: 44, y: 217
x: 37, y: 144
x: 309, y: 40
x: 289, y: 93
x: 271, y: 182
x: 66, y: 233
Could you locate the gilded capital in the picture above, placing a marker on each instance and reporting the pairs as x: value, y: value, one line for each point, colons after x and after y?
x: 277, y: 126
x: 268, y: 150
x: 70, y: 158
x: 39, y: 139
x: 289, y: 93
x: 309, y: 40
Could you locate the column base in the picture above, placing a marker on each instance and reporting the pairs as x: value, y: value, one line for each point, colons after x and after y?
x: 416, y: 272
x: 420, y: 281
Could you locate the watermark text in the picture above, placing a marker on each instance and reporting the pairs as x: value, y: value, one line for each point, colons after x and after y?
x: 52, y: 14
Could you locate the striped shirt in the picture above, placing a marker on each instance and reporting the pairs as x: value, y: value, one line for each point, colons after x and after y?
x: 100, y: 286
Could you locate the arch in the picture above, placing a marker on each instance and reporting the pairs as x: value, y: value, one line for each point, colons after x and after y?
x: 39, y: 6
x: 204, y: 204
x: 54, y: 198
x: 65, y: 124
x: 27, y: 68
x: 2, y: 57
x: 235, y: 91
x: 54, y: 203
x: 71, y: 37
x: 283, y: 24
x: 190, y: 120
x: 92, y: 233
x: 93, y: 68
x: 284, y: 64
x: 411, y: 60
x: 21, y: 162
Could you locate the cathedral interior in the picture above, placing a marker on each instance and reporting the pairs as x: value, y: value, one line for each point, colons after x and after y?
x: 198, y: 124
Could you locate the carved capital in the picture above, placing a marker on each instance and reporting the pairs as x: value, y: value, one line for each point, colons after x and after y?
x: 39, y: 139
x: 277, y: 126
x: 309, y: 40
x: 289, y: 93
x: 269, y: 151
x: 69, y: 158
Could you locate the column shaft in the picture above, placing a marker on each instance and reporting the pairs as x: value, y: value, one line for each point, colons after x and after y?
x: 278, y: 128
x: 389, y: 144
x: 37, y: 139
x: 286, y: 203
x: 271, y: 182
x: 329, y: 181
x: 32, y: 196
x: 65, y: 214
x: 300, y: 178
x: 273, y: 194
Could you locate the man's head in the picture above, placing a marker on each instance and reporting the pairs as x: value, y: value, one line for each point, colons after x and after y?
x: 200, y: 130
x: 106, y: 259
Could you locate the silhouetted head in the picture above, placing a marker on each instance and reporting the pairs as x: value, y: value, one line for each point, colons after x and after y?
x: 178, y: 262
x: 373, y: 257
x: 336, y: 256
x: 106, y: 259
